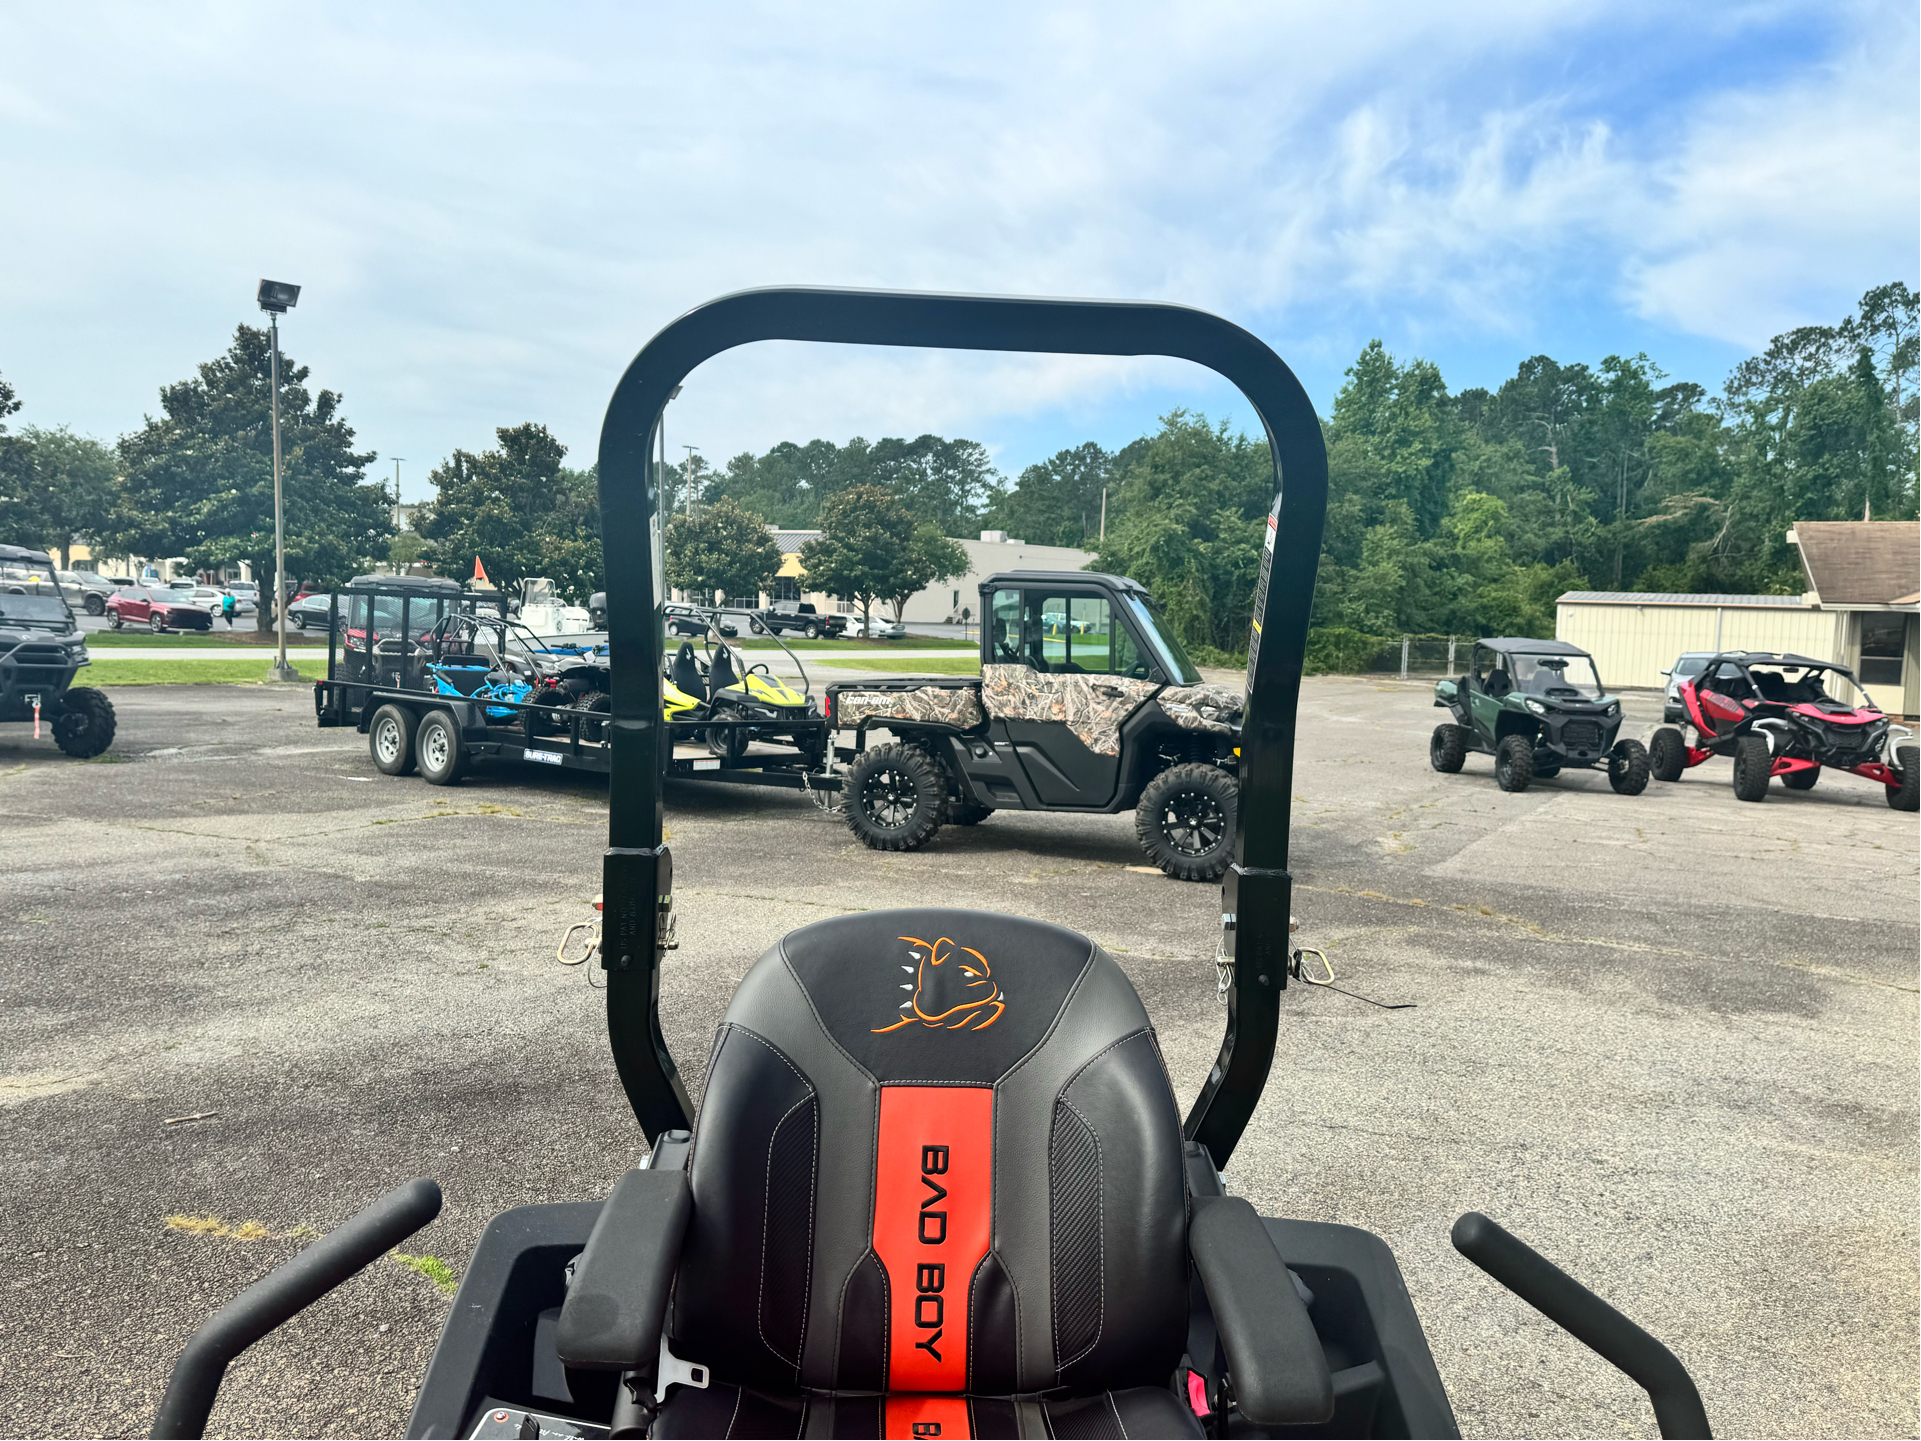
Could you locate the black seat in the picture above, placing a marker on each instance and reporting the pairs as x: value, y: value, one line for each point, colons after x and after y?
x: 686, y: 674
x: 937, y: 1181
x: 720, y: 674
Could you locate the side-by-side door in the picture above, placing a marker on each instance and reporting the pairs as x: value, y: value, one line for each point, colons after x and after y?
x: 1064, y: 669
x: 1487, y: 681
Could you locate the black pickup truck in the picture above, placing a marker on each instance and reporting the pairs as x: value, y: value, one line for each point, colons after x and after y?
x: 796, y: 615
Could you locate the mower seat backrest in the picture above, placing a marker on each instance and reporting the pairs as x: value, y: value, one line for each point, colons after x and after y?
x: 937, y: 1152
x: 687, y: 672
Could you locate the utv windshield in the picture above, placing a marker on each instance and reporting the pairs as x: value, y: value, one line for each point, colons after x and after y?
x: 1166, y: 645
x: 1556, y: 677
x: 35, y: 610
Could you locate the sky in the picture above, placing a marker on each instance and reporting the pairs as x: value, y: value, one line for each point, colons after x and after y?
x: 492, y: 207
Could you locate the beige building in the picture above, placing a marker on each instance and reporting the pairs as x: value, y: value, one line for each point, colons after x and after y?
x: 935, y: 605
x: 1860, y: 609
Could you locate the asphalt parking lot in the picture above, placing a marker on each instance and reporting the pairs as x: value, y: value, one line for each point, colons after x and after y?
x: 251, y: 984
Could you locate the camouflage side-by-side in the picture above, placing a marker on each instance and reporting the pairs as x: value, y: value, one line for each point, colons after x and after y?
x: 942, y: 705
x: 1204, y: 707
x: 1091, y: 706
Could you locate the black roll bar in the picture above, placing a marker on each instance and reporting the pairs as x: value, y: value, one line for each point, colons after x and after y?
x: 638, y: 870
x: 281, y: 1294
x: 1589, y: 1320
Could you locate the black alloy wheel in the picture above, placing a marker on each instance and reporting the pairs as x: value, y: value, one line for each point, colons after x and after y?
x: 1907, y: 765
x: 1753, y: 764
x: 1514, y: 763
x: 83, y: 724
x: 1667, y: 754
x: 894, y: 797
x: 1185, y: 821
x: 1628, y: 768
x: 1447, y: 748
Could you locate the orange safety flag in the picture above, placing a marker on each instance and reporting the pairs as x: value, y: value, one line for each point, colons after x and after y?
x: 480, y: 572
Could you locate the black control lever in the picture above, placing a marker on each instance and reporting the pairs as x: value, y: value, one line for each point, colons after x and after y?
x: 1589, y: 1319
x: 282, y: 1294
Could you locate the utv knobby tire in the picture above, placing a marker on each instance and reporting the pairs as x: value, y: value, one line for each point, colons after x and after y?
x: 84, y: 727
x: 1447, y: 748
x: 438, y: 750
x: 893, y: 797
x: 1753, y: 762
x: 1185, y: 821
x: 390, y: 740
x: 1628, y: 768
x: 1802, y: 780
x: 1667, y: 754
x: 1907, y: 764
x: 1514, y: 763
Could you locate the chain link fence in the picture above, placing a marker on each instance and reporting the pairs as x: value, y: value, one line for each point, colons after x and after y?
x: 1335, y: 651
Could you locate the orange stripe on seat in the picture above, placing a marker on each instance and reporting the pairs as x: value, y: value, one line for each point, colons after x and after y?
x: 909, y: 1416
x: 933, y: 1204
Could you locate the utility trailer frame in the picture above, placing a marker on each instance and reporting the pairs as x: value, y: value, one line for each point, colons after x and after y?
x: 353, y: 693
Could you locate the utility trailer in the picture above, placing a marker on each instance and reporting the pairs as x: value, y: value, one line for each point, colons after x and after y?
x: 439, y: 679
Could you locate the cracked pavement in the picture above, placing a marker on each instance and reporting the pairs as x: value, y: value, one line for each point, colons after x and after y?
x: 1669, y: 1040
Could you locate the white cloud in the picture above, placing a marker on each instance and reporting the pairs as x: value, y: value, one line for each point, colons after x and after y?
x: 491, y: 210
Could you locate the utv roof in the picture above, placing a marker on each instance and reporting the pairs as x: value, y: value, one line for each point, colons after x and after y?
x: 1769, y: 657
x: 426, y: 584
x: 1532, y: 647
x: 20, y: 552
x: 1065, y: 577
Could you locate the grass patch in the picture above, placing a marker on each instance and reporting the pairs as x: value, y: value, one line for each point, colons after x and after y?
x: 214, y: 1226
x: 912, y: 642
x: 199, y: 672
x: 432, y: 1267
x: 216, y: 640
x: 917, y: 665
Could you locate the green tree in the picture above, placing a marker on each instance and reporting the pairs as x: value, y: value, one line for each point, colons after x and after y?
x: 930, y: 558
x: 865, y: 545
x: 1190, y: 516
x: 1058, y: 500
x: 73, y: 479
x: 198, y: 480
x: 726, y: 548
x: 19, y: 514
x: 506, y: 507
x: 570, y: 552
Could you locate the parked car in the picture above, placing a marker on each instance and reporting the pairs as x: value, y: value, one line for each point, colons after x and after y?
x: 691, y: 620
x: 310, y: 611
x: 26, y: 579
x: 159, y: 609
x: 1687, y: 666
x: 84, y: 590
x: 796, y: 615
x: 878, y: 628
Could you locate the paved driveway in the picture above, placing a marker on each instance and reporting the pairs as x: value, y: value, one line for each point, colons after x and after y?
x: 250, y: 984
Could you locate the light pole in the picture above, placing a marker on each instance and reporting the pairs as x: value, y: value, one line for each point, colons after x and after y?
x: 276, y: 297
x: 687, y: 474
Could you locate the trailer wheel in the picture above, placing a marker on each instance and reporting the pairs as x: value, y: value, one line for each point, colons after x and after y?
x: 1752, y: 763
x: 437, y: 749
x: 1667, y: 754
x: 1185, y: 821
x: 893, y: 797
x: 83, y: 727
x: 390, y: 740
x: 1907, y: 762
